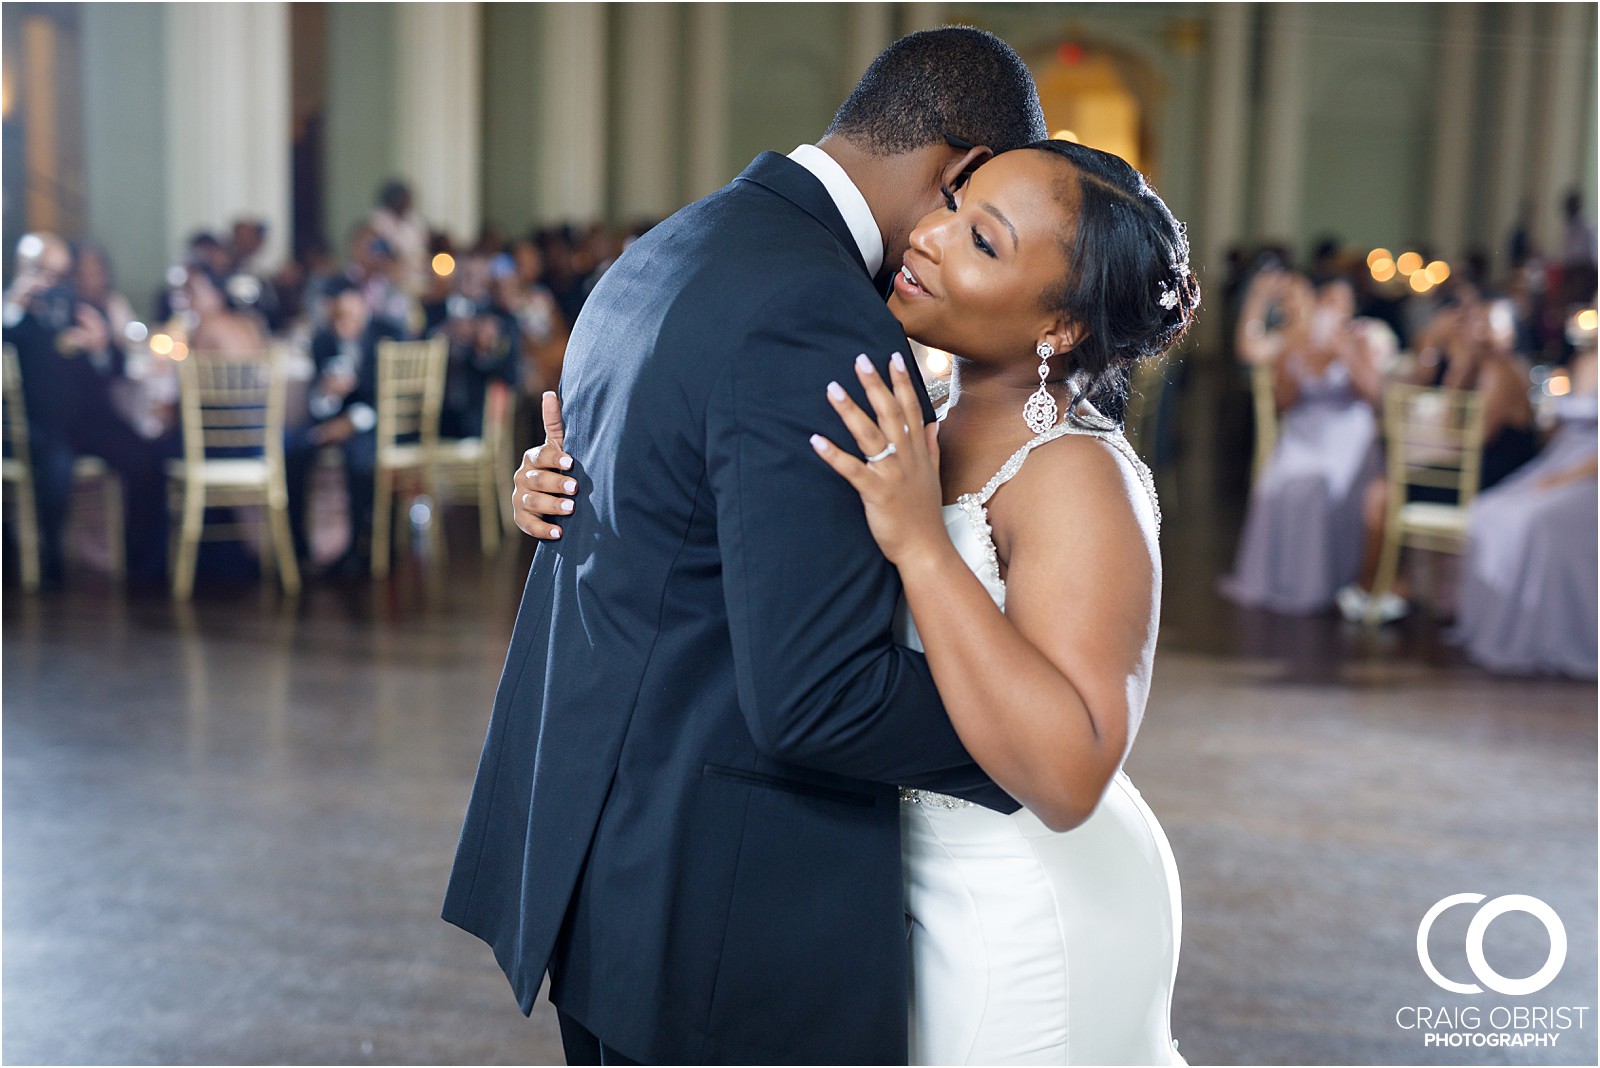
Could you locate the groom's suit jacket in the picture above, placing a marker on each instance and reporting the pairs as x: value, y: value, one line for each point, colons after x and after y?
x: 685, y: 808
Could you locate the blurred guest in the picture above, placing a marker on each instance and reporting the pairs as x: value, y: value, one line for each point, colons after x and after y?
x: 538, y: 318
x: 138, y: 389
x: 485, y: 345
x: 1527, y: 600
x: 1469, y: 345
x: 68, y: 356
x: 214, y: 325
x: 1579, y: 246
x: 374, y: 269
x: 247, y: 283
x: 397, y: 223
x: 561, y: 274
x: 1302, y: 532
x: 341, y: 406
x: 203, y: 248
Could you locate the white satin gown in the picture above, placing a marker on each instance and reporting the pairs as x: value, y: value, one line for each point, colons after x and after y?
x: 1030, y: 946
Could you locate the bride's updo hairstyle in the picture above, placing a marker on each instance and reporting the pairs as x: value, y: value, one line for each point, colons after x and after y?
x: 1128, y: 282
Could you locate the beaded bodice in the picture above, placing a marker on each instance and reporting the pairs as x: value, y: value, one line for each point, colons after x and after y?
x: 968, y: 523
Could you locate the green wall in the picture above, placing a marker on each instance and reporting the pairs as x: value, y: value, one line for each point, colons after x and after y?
x: 359, y: 148
x: 124, y: 102
x: 511, y: 35
x: 786, y: 77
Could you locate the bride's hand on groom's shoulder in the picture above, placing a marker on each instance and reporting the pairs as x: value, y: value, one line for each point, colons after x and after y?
x: 543, y: 486
x: 899, y: 478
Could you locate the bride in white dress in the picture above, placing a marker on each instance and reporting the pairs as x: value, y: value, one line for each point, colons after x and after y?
x: 1049, y: 936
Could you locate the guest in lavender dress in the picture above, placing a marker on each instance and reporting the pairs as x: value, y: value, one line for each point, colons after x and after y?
x: 1527, y: 603
x: 1302, y: 532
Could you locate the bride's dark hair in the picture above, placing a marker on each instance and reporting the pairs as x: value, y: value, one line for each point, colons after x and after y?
x: 1128, y: 283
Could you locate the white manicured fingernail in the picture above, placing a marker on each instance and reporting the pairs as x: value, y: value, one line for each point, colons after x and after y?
x: 565, y: 463
x: 819, y: 443
x: 527, y: 500
x: 566, y: 506
x: 555, y: 532
x: 835, y: 391
x: 569, y: 486
x: 897, y: 362
x: 863, y: 364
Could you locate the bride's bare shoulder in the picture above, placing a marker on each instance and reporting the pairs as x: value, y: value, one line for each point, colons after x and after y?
x: 1080, y: 489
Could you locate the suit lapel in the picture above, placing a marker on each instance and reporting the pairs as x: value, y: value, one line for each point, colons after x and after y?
x: 794, y: 183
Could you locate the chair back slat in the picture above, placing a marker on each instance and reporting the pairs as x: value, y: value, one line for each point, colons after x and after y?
x: 411, y: 390
x: 16, y: 409
x: 1434, y: 438
x: 232, y: 405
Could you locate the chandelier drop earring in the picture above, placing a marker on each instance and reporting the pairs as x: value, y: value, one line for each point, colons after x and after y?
x: 1040, y: 412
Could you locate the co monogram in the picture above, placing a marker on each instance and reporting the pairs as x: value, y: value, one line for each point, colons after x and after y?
x: 1475, y: 931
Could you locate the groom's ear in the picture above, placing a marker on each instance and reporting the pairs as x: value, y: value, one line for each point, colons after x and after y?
x: 958, y: 169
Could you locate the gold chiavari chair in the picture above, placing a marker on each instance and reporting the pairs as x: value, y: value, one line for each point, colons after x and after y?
x: 475, y: 466
x: 410, y: 395
x: 233, y: 415
x: 88, y: 471
x: 18, y: 472
x: 1434, y: 438
x: 1263, y: 378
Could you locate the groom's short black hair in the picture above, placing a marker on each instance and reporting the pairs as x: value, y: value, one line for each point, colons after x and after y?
x: 955, y: 81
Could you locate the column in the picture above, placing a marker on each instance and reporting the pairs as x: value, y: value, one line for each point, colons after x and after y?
x: 1512, y: 102
x: 1453, y: 125
x: 869, y: 27
x: 1279, y: 184
x: 647, y: 157
x: 227, y: 100
x: 1222, y: 180
x: 707, y: 168
x: 1569, y: 32
x: 572, y: 106
x: 438, y: 113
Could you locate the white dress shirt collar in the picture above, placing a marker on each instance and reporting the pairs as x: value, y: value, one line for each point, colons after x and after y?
x: 848, y: 199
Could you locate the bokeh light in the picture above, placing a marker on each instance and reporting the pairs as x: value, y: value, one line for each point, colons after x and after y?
x: 1408, y: 264
x: 1437, y: 272
x: 444, y: 265
x: 1382, y: 269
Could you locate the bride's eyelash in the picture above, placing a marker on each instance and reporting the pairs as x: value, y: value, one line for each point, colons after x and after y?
x: 977, y: 238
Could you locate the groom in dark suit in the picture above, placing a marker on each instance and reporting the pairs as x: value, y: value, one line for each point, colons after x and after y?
x: 686, y: 812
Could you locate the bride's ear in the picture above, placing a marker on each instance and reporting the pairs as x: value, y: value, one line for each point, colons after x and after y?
x: 1065, y: 335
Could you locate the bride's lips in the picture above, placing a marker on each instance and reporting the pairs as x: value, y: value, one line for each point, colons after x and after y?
x: 907, y: 284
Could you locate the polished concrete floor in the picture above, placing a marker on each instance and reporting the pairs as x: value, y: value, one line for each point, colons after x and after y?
x: 227, y: 827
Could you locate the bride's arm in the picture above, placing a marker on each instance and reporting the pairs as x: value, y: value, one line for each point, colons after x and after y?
x: 1044, y: 696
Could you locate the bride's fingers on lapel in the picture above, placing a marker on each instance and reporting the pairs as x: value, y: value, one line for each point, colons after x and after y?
x: 847, y: 466
x: 869, y: 438
x: 906, y: 396
x: 890, y: 422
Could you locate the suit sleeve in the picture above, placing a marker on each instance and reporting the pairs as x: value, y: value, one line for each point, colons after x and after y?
x: 810, y: 598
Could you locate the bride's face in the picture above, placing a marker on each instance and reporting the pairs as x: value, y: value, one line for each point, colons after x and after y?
x: 976, y: 274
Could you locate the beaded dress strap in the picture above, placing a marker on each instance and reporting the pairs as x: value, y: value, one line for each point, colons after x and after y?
x: 975, y: 505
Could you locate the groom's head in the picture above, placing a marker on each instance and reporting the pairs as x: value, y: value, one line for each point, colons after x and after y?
x: 932, y: 106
